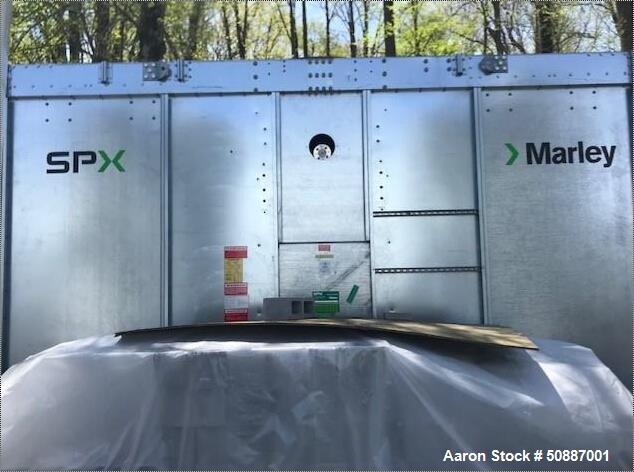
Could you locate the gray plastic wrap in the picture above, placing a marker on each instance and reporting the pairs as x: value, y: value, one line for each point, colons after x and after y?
x: 343, y: 401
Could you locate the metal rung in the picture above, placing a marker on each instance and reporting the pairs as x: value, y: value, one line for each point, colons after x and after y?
x: 425, y: 213
x: 420, y: 270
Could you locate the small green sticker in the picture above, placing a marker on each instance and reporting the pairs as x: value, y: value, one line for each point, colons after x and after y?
x: 326, y: 302
x: 352, y: 294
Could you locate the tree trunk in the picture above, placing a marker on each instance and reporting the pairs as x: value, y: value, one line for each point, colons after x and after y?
x: 546, y: 27
x: 327, y: 29
x: 497, y: 33
x: 353, y: 41
x: 58, y: 50
x: 304, y: 29
x: 366, y: 26
x: 227, y: 29
x: 293, y: 28
x: 193, y: 33
x: 414, y: 7
x: 241, y: 28
x: 388, y: 28
x: 102, y: 31
x: 624, y: 24
x: 151, y: 31
x: 73, y: 31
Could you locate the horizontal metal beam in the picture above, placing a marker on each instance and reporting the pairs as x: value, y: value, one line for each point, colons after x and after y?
x: 419, y: 270
x: 320, y: 75
x: 383, y: 214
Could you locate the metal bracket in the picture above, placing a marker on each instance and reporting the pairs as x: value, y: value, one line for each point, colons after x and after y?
x: 181, y: 70
x: 459, y: 60
x: 156, y: 71
x: 491, y: 64
x: 104, y: 72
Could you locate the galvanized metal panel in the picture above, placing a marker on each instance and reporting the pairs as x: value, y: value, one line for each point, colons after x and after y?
x: 425, y: 241
x: 304, y: 269
x: 322, y: 75
x: 448, y: 297
x: 322, y: 200
x: 85, y: 246
x: 559, y: 236
x: 422, y: 151
x: 223, y: 194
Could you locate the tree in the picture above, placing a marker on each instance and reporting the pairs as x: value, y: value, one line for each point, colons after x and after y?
x: 304, y: 29
x: 102, y: 32
x: 366, y: 26
x: 621, y: 12
x: 496, y: 31
x: 242, y: 27
x: 353, y: 41
x: 546, y: 27
x: 193, y: 33
x: 388, y: 28
x: 73, y: 32
x: 151, y: 31
x: 227, y: 29
x: 328, y: 19
x: 293, y: 29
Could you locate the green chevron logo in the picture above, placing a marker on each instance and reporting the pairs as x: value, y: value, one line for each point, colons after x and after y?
x: 513, y: 153
x: 114, y: 161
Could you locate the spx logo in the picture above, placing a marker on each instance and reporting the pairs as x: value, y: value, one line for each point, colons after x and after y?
x: 579, y: 154
x: 59, y: 162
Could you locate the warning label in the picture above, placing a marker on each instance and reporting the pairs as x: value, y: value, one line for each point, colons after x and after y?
x: 235, y: 302
x: 233, y: 271
x: 237, y: 315
x: 236, y: 288
x: 235, y: 252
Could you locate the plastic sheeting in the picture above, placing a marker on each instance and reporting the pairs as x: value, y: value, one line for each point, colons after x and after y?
x: 333, y: 401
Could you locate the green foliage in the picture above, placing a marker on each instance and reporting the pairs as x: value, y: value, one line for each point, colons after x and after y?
x: 44, y: 30
x: 424, y: 29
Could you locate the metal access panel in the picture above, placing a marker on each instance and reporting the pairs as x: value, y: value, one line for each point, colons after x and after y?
x: 422, y: 151
x: 446, y: 297
x: 322, y: 199
x: 340, y: 267
x: 223, y: 181
x: 85, y: 251
x: 426, y: 241
x: 425, y: 228
x: 559, y: 226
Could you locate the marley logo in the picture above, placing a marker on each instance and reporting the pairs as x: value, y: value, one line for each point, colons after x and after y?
x: 60, y: 162
x: 546, y: 154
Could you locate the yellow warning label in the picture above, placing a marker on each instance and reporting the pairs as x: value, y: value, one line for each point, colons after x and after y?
x: 233, y: 270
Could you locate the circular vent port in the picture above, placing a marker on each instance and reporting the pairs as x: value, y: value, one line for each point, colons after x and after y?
x: 321, y: 146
